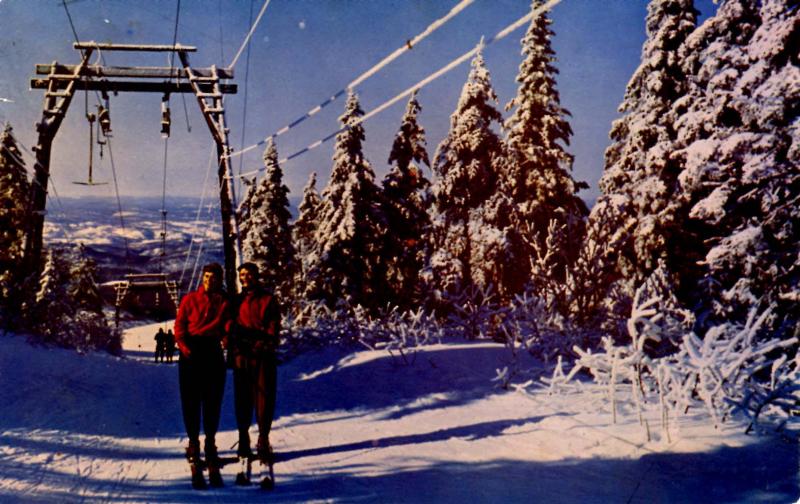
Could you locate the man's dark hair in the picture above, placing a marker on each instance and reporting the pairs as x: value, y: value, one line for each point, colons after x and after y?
x: 251, y: 267
x: 213, y: 268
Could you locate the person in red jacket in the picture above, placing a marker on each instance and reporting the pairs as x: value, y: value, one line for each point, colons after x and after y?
x: 254, y: 339
x: 200, y: 326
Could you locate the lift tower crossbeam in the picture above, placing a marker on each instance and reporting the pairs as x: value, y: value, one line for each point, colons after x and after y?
x: 61, y: 83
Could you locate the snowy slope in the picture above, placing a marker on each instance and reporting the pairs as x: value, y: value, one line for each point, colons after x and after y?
x: 361, y: 427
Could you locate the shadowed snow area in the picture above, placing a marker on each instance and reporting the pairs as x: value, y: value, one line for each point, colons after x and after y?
x: 363, y: 427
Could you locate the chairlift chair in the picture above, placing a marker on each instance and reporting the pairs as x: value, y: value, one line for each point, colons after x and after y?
x: 89, y: 182
x: 146, y: 283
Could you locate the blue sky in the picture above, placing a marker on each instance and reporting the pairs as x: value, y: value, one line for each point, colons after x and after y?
x: 302, y: 52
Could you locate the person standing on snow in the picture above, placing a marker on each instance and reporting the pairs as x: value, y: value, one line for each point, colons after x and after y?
x: 170, y: 345
x: 199, y: 333
x: 160, y: 340
x: 254, y: 340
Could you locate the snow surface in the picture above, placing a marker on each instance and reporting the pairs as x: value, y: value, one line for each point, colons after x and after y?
x: 363, y: 427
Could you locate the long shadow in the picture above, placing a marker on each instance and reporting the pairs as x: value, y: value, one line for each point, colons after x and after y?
x: 460, y: 374
x: 123, y: 397
x: 102, y: 450
x: 468, y: 432
x: 765, y: 471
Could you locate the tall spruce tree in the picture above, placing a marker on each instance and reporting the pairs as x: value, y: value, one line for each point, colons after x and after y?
x: 14, y: 208
x: 268, y: 242
x: 406, y: 202
x: 465, y: 170
x: 303, y: 233
x: 537, y: 175
x: 349, y: 265
x: 635, y: 215
x: 739, y: 131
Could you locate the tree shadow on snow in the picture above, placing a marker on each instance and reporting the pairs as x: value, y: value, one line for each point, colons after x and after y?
x: 466, y: 432
x: 444, y: 377
x: 765, y: 471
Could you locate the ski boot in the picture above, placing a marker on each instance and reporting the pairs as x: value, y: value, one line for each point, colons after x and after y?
x: 266, y: 457
x: 245, y: 462
x: 214, y: 463
x: 195, y: 465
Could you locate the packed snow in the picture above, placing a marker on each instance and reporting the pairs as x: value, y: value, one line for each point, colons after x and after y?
x: 366, y: 426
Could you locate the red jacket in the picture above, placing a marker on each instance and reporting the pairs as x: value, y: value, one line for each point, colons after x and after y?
x: 257, y: 319
x: 202, y: 315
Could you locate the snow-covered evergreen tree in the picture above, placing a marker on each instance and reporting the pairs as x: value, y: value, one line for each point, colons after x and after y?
x: 537, y: 175
x: 246, y: 207
x: 51, y: 311
x: 465, y: 169
x: 639, y: 182
x: 14, y: 196
x: 268, y: 242
x: 88, y: 325
x: 303, y: 233
x: 348, y: 265
x: 67, y: 310
x: 82, y: 289
x: 406, y: 202
x: 739, y: 131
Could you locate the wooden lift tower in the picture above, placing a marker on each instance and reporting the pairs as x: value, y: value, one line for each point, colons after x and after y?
x: 61, y: 82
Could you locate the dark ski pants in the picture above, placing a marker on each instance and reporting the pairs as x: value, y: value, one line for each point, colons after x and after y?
x: 202, y: 383
x: 255, y: 382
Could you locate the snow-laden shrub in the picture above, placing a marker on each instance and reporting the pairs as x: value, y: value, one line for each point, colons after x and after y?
x: 314, y: 325
x: 476, y: 313
x: 733, y: 368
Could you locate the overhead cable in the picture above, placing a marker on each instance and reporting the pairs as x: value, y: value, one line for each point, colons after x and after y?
x: 419, y: 85
x: 367, y: 74
x: 249, y: 34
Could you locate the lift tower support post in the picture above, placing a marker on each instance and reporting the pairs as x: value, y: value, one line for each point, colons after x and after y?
x: 62, y: 81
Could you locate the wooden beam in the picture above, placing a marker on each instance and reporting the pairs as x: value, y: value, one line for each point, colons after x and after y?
x: 135, y: 72
x: 133, y: 47
x: 134, y: 86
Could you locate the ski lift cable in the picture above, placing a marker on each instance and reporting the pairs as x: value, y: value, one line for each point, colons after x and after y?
x: 110, y: 151
x: 119, y: 202
x: 172, y: 65
x: 244, y: 107
x: 194, y: 280
x: 196, y: 272
x: 166, y: 150
x: 419, y: 85
x: 197, y: 216
x: 366, y: 75
x: 249, y: 34
x: 164, y: 208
